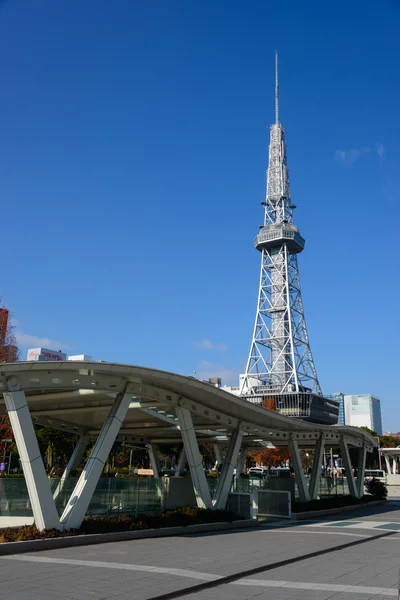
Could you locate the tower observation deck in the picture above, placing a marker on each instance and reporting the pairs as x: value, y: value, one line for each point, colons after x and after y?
x: 280, y: 372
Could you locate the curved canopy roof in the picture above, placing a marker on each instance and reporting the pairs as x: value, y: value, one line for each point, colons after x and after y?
x: 392, y: 451
x: 77, y: 396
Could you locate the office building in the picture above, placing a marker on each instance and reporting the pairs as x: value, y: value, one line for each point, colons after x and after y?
x: 339, y: 398
x: 363, y: 410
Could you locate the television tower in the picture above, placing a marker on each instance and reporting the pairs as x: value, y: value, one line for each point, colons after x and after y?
x: 280, y: 372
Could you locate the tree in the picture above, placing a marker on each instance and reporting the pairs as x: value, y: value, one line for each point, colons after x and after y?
x: 270, y: 457
x: 208, y: 454
x: 6, y: 433
x: 307, y: 460
x: 55, y: 446
x: 8, y: 353
x: 385, y: 441
x: 388, y: 441
x: 8, y: 346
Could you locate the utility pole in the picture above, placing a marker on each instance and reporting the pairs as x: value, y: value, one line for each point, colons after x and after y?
x: 130, y: 461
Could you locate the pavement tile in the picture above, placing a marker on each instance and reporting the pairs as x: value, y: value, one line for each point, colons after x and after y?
x: 373, y: 563
x: 344, y: 596
x: 308, y: 595
x: 229, y: 593
x: 343, y: 524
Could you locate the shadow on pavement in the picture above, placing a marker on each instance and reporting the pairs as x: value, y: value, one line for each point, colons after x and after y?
x: 383, y: 512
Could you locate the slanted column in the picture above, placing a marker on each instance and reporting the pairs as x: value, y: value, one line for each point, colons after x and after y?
x: 344, y: 451
x: 73, y: 462
x: 304, y: 494
x: 199, y: 480
x: 387, y: 461
x: 362, y: 455
x: 154, y: 460
x: 241, y: 462
x: 77, y: 506
x: 43, y: 506
x: 218, y: 457
x: 181, y: 463
x: 225, y: 480
x: 394, y: 465
x: 316, y: 469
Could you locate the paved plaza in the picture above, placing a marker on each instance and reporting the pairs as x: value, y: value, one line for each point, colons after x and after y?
x: 356, y: 556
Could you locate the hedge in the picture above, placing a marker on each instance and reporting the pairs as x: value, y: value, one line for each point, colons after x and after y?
x: 172, y: 518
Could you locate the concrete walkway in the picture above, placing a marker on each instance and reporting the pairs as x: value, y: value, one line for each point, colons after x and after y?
x: 393, y: 491
x: 354, y: 559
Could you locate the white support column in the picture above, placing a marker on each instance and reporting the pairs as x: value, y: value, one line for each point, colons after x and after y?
x: 394, y: 465
x: 225, y: 480
x: 181, y: 463
x: 199, y: 479
x: 304, y: 494
x: 241, y: 462
x: 387, y: 461
x: 316, y: 468
x: 77, y: 506
x: 73, y: 462
x: 362, y: 455
x: 218, y: 457
x: 154, y: 460
x: 344, y: 451
x: 43, y: 506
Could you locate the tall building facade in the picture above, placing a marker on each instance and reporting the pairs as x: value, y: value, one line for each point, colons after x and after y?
x: 339, y: 398
x: 280, y: 372
x: 363, y: 410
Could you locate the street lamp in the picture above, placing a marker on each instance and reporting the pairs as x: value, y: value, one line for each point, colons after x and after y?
x: 5, y: 441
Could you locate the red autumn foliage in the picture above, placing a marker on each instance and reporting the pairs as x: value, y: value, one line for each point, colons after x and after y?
x: 8, y: 353
x: 270, y: 457
x: 269, y: 403
x: 8, y: 345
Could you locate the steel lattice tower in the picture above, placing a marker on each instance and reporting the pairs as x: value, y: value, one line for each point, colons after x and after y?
x: 280, y: 370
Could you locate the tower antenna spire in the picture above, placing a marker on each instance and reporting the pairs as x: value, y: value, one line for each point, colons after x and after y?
x: 276, y: 89
x: 280, y: 372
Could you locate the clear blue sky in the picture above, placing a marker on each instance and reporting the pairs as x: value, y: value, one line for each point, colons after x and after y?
x: 133, y: 149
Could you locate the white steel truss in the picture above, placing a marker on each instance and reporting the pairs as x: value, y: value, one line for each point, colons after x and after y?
x: 50, y: 388
x: 280, y: 359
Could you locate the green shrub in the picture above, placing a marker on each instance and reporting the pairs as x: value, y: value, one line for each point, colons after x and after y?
x: 30, y: 532
x: 376, y: 488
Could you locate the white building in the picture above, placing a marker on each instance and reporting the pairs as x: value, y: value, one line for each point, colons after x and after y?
x: 45, y: 354
x: 232, y: 389
x: 363, y: 410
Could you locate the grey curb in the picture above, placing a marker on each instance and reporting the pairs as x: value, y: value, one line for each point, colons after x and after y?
x: 120, y: 536
x: 332, y: 511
